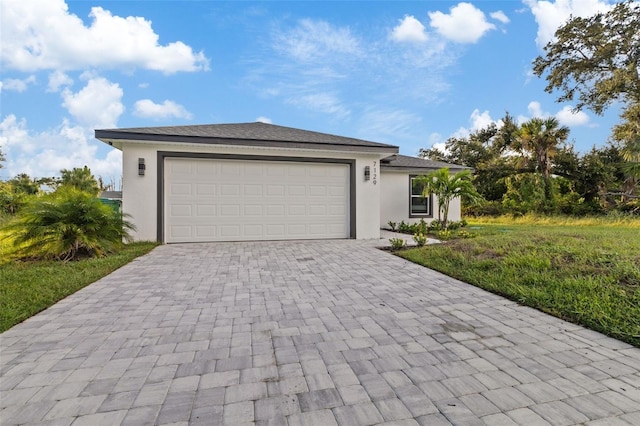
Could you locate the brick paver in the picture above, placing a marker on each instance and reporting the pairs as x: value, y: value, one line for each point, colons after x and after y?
x: 309, y: 333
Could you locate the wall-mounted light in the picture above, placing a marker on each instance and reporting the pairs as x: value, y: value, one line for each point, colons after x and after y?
x: 141, y: 167
x: 367, y: 173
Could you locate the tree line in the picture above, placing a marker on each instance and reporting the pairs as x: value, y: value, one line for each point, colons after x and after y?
x: 530, y: 166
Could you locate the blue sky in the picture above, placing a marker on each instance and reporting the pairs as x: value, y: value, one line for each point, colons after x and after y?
x: 406, y: 73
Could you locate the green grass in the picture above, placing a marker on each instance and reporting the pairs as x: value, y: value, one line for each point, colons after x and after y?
x: 589, y: 275
x: 27, y: 288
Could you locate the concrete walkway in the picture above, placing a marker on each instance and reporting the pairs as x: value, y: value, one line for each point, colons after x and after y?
x: 305, y: 333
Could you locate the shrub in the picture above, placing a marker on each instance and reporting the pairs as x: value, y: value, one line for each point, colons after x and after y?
x: 393, y: 225
x: 397, y: 243
x: 405, y: 228
x: 435, y: 225
x: 444, y: 235
x: 420, y: 239
x: 466, y: 234
x: 66, y: 225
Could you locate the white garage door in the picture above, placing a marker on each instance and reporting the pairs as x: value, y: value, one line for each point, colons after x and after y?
x: 240, y: 200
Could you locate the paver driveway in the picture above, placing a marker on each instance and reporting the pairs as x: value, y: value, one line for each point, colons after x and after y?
x: 316, y: 332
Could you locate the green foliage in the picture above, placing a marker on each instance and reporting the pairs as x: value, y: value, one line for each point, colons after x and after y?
x: 446, y: 187
x: 393, y: 225
x: 65, y: 225
x: 397, y: 243
x: 595, y: 60
x: 27, y: 288
x: 23, y: 184
x: 525, y: 193
x: 80, y: 178
x: 466, y: 234
x: 540, y: 138
x: 11, y: 201
x: 420, y: 239
x: 586, y: 274
x: 444, y: 235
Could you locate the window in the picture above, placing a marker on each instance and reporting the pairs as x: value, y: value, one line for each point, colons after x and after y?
x: 419, y: 206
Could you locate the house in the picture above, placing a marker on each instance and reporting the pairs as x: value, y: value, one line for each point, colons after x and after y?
x: 258, y: 181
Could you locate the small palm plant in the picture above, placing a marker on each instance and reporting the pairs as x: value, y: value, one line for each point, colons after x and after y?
x: 67, y: 224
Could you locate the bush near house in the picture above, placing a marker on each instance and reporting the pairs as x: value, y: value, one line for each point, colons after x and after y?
x: 65, y: 225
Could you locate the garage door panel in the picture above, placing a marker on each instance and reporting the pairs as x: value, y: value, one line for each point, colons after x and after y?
x: 254, y: 230
x: 276, y: 230
x: 181, y: 210
x: 253, y: 210
x: 252, y: 190
x: 275, y: 190
x: 296, y: 190
x: 206, y: 210
x: 234, y: 200
x: 206, y: 231
x: 275, y: 210
x: 180, y: 189
x: 205, y: 189
x: 230, y: 210
x: 230, y: 231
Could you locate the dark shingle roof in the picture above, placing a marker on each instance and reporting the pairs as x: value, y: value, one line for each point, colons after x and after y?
x: 406, y: 162
x: 256, y: 134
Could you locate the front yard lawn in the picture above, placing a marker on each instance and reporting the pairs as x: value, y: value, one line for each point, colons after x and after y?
x: 27, y: 288
x: 589, y: 275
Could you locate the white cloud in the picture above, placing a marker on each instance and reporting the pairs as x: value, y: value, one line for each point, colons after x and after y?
x: 262, y: 119
x: 39, y: 35
x: 17, y: 85
x: 146, y: 108
x: 567, y: 117
x: 314, y: 40
x: 535, y: 110
x: 58, y: 79
x: 500, y: 16
x: 550, y: 15
x: 326, y: 103
x: 389, y: 126
x: 41, y: 154
x: 478, y: 120
x: 410, y: 29
x: 97, y: 105
x: 464, y: 24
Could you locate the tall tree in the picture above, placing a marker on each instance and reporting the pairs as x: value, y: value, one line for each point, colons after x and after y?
x: 628, y: 134
x: 80, y: 178
x: 595, y: 60
x: 541, y: 138
x: 446, y: 187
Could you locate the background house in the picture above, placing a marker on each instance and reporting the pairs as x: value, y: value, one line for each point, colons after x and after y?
x: 258, y: 181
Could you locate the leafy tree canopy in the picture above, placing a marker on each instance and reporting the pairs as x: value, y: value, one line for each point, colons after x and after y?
x: 80, y: 178
x: 595, y: 60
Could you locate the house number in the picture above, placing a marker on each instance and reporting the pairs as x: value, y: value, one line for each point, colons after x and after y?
x: 375, y: 173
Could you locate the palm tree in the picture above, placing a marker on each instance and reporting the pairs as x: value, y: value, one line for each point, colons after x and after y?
x: 446, y: 187
x: 541, y: 137
x: 67, y: 224
x: 628, y: 133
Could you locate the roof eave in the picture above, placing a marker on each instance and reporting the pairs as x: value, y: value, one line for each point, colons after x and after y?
x: 117, y: 138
